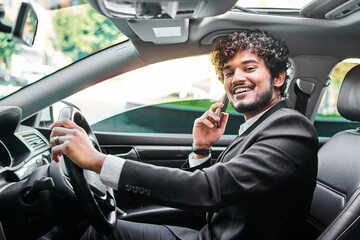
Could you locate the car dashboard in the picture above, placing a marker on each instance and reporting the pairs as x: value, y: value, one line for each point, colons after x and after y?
x: 22, y: 148
x: 25, y: 189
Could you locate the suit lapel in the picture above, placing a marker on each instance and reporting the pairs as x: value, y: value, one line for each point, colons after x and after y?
x: 239, y: 138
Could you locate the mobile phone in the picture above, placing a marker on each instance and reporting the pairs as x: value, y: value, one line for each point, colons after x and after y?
x: 224, y: 101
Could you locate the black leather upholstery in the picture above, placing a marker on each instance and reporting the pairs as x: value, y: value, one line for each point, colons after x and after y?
x: 349, y: 95
x: 335, y: 210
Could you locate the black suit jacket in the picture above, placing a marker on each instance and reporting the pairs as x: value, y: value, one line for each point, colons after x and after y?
x: 260, y: 188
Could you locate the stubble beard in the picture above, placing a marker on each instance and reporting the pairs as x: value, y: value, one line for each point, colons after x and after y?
x: 262, y: 101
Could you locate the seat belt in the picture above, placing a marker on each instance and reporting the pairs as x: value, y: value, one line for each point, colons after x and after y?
x: 303, y: 90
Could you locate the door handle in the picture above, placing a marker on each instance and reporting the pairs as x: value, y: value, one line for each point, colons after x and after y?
x: 132, y: 155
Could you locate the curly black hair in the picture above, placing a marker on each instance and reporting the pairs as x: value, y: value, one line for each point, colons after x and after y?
x: 274, y: 52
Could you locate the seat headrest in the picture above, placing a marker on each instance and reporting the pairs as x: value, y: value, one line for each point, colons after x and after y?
x: 349, y: 97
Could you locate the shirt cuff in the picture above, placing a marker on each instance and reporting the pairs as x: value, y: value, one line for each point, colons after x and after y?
x: 196, y: 162
x: 111, y: 171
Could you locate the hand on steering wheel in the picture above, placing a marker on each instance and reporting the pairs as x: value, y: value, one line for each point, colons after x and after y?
x: 77, y: 142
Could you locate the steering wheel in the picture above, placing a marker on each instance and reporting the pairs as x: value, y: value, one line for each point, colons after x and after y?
x: 96, y: 199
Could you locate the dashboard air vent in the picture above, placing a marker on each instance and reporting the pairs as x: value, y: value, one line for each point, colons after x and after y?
x: 34, y: 140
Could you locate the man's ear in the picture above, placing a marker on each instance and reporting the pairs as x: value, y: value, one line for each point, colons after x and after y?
x: 279, y: 80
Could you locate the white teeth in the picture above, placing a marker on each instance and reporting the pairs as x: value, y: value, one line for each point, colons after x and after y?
x: 241, y: 90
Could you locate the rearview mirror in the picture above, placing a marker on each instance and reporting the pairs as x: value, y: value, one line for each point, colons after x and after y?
x: 26, y: 25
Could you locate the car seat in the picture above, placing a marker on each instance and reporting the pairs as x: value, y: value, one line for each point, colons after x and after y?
x: 335, y: 209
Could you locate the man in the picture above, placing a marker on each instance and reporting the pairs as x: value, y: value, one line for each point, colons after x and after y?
x: 261, y: 186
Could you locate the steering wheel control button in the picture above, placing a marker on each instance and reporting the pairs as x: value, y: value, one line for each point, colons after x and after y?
x: 135, y: 189
x: 128, y: 187
x: 147, y: 192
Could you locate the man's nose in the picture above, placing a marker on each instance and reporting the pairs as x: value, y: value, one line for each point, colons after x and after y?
x: 239, y: 76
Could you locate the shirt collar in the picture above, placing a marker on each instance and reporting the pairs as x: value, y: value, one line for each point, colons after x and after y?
x: 251, y: 121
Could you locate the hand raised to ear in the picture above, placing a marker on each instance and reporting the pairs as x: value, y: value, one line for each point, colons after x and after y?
x: 205, y: 131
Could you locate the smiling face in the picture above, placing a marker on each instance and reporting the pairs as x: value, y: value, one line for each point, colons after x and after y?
x: 248, y: 84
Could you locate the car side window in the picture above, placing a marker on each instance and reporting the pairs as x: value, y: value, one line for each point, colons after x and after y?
x: 328, y: 120
x: 165, y: 97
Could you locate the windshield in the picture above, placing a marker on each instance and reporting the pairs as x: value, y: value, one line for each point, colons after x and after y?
x: 65, y: 34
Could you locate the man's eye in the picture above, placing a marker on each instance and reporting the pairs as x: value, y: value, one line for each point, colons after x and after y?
x: 228, y: 74
x: 248, y: 69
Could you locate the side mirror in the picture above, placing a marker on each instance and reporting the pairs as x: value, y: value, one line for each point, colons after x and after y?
x: 26, y: 25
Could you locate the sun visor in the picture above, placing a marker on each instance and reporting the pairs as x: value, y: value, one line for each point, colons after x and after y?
x: 161, y: 31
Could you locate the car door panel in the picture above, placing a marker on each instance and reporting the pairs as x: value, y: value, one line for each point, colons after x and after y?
x: 160, y: 155
x: 169, y: 150
x: 146, y: 147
